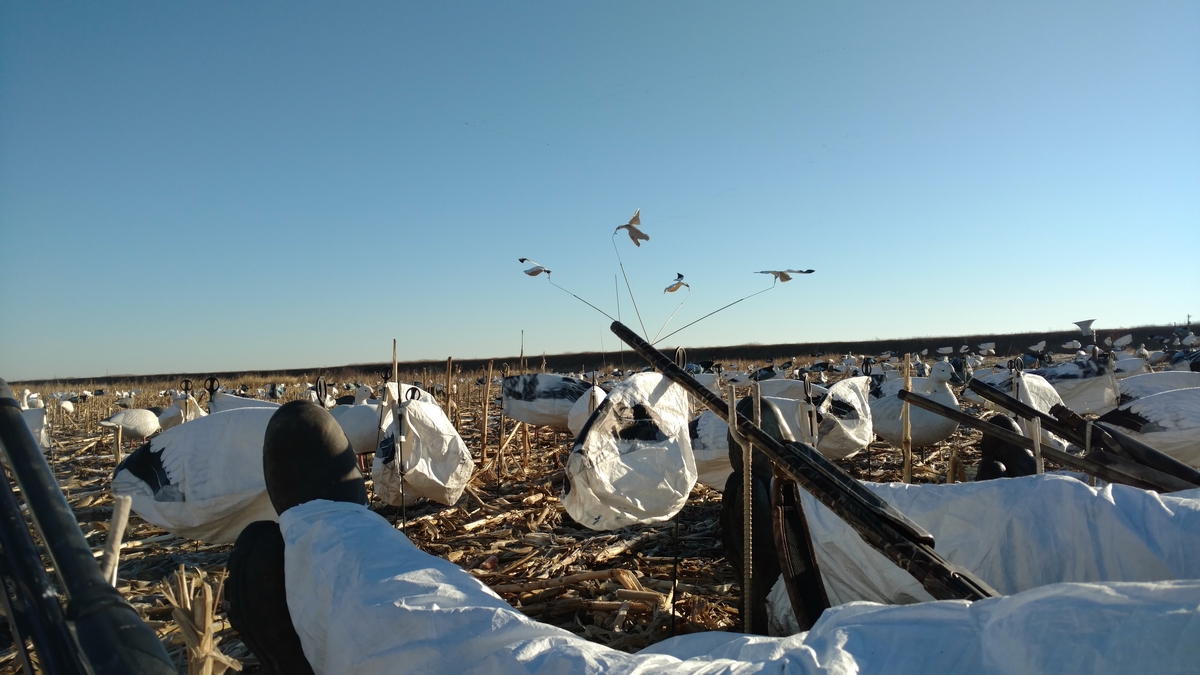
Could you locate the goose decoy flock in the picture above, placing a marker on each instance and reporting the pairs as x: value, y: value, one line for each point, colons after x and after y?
x: 645, y: 453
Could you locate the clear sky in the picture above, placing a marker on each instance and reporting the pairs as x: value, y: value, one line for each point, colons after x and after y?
x: 221, y: 186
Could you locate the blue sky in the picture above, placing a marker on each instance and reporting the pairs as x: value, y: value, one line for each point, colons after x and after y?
x: 220, y: 186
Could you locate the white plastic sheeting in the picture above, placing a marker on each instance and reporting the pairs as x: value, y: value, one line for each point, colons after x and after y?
x: 365, y: 601
x: 541, y: 399
x: 202, y: 480
x: 633, y: 461
x: 583, y: 408
x: 845, y: 419
x: 1017, y: 534
x: 437, y: 464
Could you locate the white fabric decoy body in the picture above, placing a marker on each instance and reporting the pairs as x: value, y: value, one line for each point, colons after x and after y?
x: 35, y: 419
x: 541, y: 399
x: 134, y: 423
x: 1188, y: 361
x: 222, y: 402
x: 583, y: 408
x: 184, y: 408
x: 793, y: 389
x: 1085, y: 384
x: 1168, y: 421
x: 202, y: 480
x: 632, y: 462
x: 708, y: 435
x: 361, y: 421
x: 1141, y: 386
x: 926, y: 428
x: 1032, y: 390
x: 433, y: 461
x: 844, y: 419
x: 1130, y: 366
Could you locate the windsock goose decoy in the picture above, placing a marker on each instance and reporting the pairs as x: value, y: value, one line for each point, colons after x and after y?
x: 536, y: 269
x: 677, y: 284
x: 784, y: 275
x: 632, y: 229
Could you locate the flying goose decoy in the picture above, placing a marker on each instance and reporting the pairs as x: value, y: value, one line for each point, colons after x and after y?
x: 631, y: 228
x: 536, y: 269
x: 784, y: 275
x: 677, y: 284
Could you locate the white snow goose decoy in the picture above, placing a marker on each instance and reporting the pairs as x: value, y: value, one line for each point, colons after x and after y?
x: 632, y: 229
x: 134, y: 423
x: 1168, y: 421
x: 927, y: 428
x: 784, y: 275
x: 202, y: 480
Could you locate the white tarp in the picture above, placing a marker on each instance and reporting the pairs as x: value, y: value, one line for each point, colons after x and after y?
x: 541, y: 398
x: 1017, y: 534
x: 583, y: 408
x: 437, y: 463
x: 633, y: 461
x: 202, y: 480
x: 365, y: 601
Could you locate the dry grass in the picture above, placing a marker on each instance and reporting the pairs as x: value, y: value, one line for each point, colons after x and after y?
x: 509, y: 530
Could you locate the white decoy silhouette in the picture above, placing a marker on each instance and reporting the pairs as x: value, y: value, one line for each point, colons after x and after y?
x: 631, y: 228
x: 1123, y: 341
x: 134, y: 423
x: 945, y: 350
x: 677, y: 284
x: 536, y: 269
x: 1037, y: 349
x: 1073, y: 344
x: 784, y: 275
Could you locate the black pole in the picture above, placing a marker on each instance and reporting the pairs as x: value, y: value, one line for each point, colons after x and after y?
x: 35, y: 612
x: 879, y: 524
